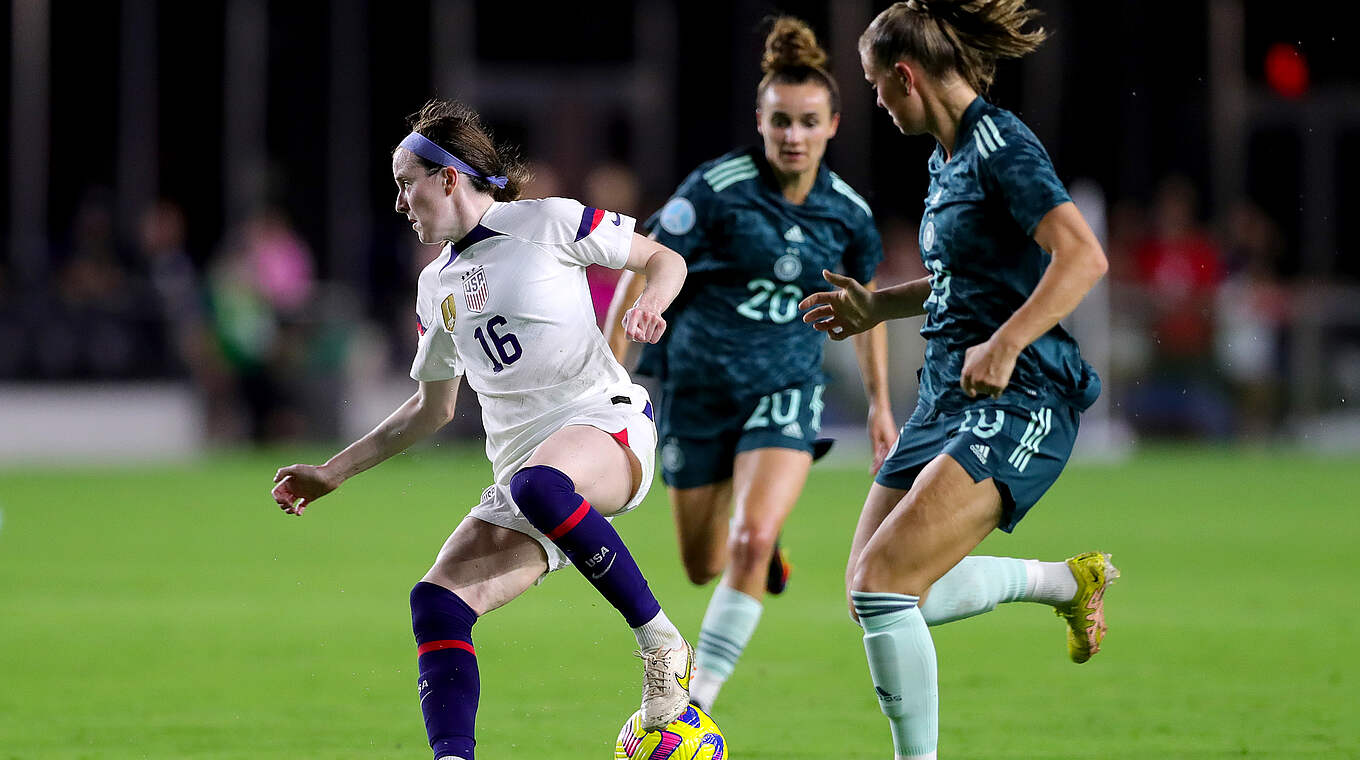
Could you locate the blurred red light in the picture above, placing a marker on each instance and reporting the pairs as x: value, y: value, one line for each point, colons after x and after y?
x: 1286, y: 70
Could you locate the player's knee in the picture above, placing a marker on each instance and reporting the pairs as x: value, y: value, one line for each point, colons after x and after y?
x: 874, y: 572
x: 538, y: 489
x: 751, y: 545
x: 438, y: 611
x: 701, y: 565
x: 699, y: 576
x: 850, y: 608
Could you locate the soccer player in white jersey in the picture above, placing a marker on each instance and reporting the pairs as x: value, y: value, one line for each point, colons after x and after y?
x: 569, y: 436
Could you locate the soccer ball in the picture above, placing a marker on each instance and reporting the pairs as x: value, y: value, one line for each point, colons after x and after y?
x: 692, y: 736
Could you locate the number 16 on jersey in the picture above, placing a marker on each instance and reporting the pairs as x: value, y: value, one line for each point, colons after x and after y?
x: 507, y: 347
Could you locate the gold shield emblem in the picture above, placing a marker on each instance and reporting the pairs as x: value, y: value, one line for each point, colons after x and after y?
x: 450, y: 310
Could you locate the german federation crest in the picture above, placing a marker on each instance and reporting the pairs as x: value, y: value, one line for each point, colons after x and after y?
x: 474, y: 289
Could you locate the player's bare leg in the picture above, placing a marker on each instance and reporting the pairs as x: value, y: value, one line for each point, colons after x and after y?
x: 480, y: 567
x: 575, y: 478
x: 944, y: 516
x: 605, y: 473
x: 766, y: 484
x: 977, y: 584
x: 877, y: 506
x: 486, y: 565
x: 701, y: 517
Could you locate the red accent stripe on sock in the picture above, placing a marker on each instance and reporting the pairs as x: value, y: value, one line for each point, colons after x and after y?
x: 435, y: 646
x: 570, y: 522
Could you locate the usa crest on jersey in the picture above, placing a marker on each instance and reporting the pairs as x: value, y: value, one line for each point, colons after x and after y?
x: 474, y: 289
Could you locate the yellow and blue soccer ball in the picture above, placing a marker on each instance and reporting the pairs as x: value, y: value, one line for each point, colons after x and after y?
x: 692, y: 736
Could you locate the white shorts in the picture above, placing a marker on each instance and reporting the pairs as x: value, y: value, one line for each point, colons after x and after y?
x: 626, y: 414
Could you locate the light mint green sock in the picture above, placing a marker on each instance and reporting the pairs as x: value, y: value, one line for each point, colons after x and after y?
x: 902, y: 664
x: 728, y: 624
x: 974, y: 586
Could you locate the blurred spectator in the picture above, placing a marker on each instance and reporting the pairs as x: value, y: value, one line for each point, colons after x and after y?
x: 93, y: 295
x: 1125, y: 225
x: 1182, y: 267
x: 1179, y: 269
x: 545, y: 182
x: 613, y: 187
x: 178, y: 292
x: 170, y: 271
x: 259, y: 289
x: 1252, y: 309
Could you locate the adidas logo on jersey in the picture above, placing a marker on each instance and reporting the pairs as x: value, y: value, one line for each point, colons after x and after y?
x: 981, y: 451
x: 987, y: 137
x: 792, y: 430
x: 795, y: 235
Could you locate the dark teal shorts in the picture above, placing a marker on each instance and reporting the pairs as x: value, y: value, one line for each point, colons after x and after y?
x: 1022, y: 450
x: 702, y: 432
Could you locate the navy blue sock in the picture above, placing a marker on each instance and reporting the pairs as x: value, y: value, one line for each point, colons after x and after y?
x: 449, y: 684
x: 548, y: 498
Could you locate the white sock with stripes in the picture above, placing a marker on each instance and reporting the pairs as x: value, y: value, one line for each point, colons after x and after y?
x: 902, y: 663
x: 728, y: 624
x: 978, y: 584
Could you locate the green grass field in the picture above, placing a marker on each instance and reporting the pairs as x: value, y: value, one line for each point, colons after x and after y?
x: 173, y: 612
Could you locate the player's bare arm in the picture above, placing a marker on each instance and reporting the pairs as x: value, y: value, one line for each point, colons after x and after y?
x: 626, y: 294
x: 1078, y: 262
x: 665, y: 274
x: 430, y: 408
x: 852, y: 308
x: 871, y: 349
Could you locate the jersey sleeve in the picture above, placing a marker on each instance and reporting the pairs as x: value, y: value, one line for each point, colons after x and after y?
x: 1021, y: 171
x: 573, y: 233
x: 436, y: 356
x: 683, y: 223
x: 601, y: 237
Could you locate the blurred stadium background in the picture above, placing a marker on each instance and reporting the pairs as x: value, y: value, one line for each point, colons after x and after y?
x: 200, y: 249
x: 202, y: 279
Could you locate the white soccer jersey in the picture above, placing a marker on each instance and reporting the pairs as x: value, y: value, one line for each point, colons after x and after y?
x: 508, y: 306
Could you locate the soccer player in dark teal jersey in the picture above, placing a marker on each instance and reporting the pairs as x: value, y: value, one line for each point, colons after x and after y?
x: 741, y: 375
x: 1008, y: 256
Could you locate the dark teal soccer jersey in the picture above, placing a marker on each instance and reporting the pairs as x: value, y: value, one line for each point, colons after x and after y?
x: 977, y: 245
x: 753, y: 256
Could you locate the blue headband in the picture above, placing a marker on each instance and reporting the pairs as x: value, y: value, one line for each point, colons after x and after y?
x: 427, y: 149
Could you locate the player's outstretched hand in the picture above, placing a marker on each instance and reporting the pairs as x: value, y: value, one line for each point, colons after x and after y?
x: 643, y: 326
x: 842, y: 312
x: 987, y: 369
x: 298, y: 485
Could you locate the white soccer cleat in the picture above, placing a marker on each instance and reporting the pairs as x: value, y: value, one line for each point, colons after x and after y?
x: 665, y: 684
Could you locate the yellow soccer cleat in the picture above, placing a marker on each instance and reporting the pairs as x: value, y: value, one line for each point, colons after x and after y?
x: 1085, y: 614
